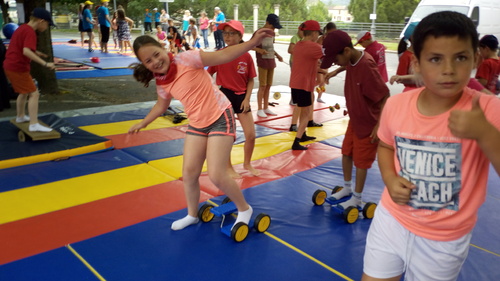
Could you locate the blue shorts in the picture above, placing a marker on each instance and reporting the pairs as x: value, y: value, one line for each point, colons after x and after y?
x: 224, y: 126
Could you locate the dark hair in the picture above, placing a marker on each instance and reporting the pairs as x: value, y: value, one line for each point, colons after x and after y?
x: 141, y: 73
x: 444, y: 24
x: 402, y: 46
x: 329, y: 26
x: 120, y: 14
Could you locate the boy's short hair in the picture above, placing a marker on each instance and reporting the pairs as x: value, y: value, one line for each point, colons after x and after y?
x: 192, y: 20
x: 489, y: 41
x: 444, y: 24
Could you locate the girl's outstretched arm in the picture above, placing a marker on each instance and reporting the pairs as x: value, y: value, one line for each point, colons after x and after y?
x: 230, y: 53
x: 158, y: 109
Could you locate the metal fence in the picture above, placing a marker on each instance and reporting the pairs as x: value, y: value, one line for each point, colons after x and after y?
x: 382, y: 30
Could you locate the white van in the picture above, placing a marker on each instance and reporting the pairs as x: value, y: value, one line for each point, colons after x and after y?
x: 484, y: 13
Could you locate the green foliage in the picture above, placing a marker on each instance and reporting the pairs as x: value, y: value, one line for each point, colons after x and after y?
x: 319, y: 12
x: 388, y: 11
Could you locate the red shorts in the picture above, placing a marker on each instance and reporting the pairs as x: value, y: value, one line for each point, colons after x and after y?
x: 22, y: 82
x: 362, y: 151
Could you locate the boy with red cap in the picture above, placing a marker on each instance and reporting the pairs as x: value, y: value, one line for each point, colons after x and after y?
x: 306, y: 55
x: 365, y: 93
x: 376, y: 50
x: 21, y: 51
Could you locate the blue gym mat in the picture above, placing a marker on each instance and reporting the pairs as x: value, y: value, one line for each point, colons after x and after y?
x: 81, y: 55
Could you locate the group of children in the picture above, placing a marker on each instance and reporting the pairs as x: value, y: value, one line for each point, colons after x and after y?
x: 119, y: 25
x: 434, y: 143
x: 430, y: 207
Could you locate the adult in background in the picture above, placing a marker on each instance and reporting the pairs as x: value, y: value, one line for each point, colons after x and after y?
x: 147, y: 21
x: 88, y: 23
x: 157, y: 16
x: 204, y: 22
x: 185, y: 26
x: 219, y: 18
x: 104, y: 24
x: 164, y: 20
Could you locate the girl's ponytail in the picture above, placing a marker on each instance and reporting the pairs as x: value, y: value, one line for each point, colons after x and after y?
x: 141, y: 73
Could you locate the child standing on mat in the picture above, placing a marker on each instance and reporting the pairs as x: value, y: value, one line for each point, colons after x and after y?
x: 365, y: 93
x: 306, y: 55
x: 266, y: 64
x: 211, y: 132
x: 236, y: 79
x: 436, y: 144
x: 21, y: 51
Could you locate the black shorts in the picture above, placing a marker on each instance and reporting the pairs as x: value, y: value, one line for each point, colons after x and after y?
x: 302, y: 98
x: 236, y: 100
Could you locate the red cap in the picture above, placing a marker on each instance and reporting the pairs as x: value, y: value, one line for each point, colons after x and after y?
x: 333, y: 45
x: 311, y: 25
x: 236, y: 25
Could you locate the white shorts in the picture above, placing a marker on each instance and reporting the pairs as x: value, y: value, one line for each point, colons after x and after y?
x: 392, y: 250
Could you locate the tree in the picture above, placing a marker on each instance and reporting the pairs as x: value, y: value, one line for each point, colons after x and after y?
x: 319, y: 12
x: 47, y: 82
x: 389, y: 11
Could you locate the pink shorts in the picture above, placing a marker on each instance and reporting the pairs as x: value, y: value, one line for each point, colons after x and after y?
x: 224, y: 126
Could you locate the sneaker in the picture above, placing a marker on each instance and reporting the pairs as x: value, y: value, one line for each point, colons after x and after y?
x: 320, y: 100
x: 354, y: 201
x: 22, y: 119
x: 311, y: 123
x: 91, y: 50
x: 261, y: 113
x: 293, y: 128
x: 39, y: 128
x: 305, y: 138
x: 344, y: 192
x: 269, y: 112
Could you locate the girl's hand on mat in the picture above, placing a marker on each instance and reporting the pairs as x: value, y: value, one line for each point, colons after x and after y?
x: 136, y: 128
x: 400, y: 190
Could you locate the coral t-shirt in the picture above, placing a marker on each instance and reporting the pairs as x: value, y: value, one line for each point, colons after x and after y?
x: 306, y: 55
x: 377, y: 51
x: 450, y: 173
x: 234, y: 75
x: 15, y: 60
x: 489, y: 70
x: 188, y: 82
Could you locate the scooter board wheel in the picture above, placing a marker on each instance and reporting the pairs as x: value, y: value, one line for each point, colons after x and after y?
x: 262, y: 222
x: 332, y: 109
x: 369, y: 210
x: 239, y: 232
x: 204, y: 213
x: 277, y: 95
x: 351, y: 214
x: 319, y: 197
x: 226, y: 200
x: 337, y: 189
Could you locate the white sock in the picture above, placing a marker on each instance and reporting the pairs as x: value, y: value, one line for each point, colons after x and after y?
x: 39, y: 128
x: 244, y: 216
x: 353, y: 201
x: 348, y: 184
x: 22, y: 119
x: 184, y: 222
x: 346, y: 191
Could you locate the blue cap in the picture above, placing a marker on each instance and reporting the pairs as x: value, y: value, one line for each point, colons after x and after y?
x: 43, y: 14
x: 409, y: 29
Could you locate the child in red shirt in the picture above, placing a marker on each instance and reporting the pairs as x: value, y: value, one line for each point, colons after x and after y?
x: 236, y: 79
x: 489, y: 69
x: 306, y: 55
x: 365, y: 93
x: 21, y: 51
